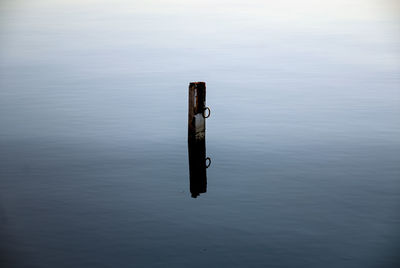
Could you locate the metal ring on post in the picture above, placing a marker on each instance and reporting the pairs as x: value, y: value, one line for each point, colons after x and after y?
x: 209, y: 162
x: 209, y: 112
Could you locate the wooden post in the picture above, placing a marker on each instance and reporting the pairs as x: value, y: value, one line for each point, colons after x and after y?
x: 196, y: 138
x: 197, y: 111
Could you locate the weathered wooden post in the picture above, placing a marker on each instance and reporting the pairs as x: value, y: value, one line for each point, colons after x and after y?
x: 197, y: 111
x: 196, y: 138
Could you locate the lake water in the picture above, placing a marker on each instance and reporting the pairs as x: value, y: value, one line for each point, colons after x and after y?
x: 304, y: 133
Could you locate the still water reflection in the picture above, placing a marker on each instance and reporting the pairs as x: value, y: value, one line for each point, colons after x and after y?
x: 198, y: 163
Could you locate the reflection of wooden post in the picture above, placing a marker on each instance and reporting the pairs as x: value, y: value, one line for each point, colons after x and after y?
x: 197, y: 105
x: 197, y: 167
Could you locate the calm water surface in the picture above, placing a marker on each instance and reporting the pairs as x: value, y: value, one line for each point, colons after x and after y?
x: 304, y: 134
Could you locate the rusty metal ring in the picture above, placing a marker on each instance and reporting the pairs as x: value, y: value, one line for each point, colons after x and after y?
x: 209, y: 112
x: 209, y: 162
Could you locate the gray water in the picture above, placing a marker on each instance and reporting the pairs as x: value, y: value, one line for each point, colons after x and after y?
x: 304, y: 133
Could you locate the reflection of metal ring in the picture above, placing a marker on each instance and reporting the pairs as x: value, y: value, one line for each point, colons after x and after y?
x: 209, y: 162
x: 209, y: 112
